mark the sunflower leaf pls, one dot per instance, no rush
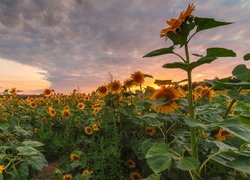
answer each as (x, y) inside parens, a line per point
(161, 51)
(242, 73)
(208, 23)
(179, 65)
(246, 57)
(212, 54)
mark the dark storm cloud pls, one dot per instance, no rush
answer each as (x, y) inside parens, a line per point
(79, 42)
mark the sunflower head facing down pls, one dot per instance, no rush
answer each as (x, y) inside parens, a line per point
(168, 95)
(175, 24)
(102, 90)
(115, 87)
(137, 78)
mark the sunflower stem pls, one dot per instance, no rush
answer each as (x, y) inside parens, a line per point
(191, 108)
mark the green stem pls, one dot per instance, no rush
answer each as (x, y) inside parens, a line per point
(191, 112)
(231, 105)
(191, 106)
(208, 159)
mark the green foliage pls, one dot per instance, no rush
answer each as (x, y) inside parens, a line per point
(161, 51)
(188, 163)
(242, 73)
(158, 157)
(208, 23)
(246, 57)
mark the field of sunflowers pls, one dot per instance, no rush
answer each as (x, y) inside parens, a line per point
(126, 130)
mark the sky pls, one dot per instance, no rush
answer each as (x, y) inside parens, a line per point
(68, 44)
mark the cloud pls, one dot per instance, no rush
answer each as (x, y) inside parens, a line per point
(77, 42)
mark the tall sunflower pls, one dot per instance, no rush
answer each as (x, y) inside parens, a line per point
(168, 95)
(175, 24)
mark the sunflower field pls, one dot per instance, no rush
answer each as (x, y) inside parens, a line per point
(126, 130)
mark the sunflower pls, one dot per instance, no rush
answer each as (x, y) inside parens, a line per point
(137, 78)
(102, 90)
(66, 108)
(2, 168)
(167, 94)
(13, 91)
(65, 113)
(135, 176)
(175, 24)
(207, 93)
(88, 131)
(115, 87)
(128, 83)
(87, 172)
(33, 104)
(95, 127)
(36, 130)
(67, 177)
(81, 106)
(222, 134)
(47, 92)
(51, 111)
(74, 157)
(151, 131)
(130, 164)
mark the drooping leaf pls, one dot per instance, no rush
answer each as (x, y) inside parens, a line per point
(161, 51)
(158, 157)
(236, 128)
(23, 171)
(217, 84)
(175, 65)
(242, 73)
(240, 97)
(241, 163)
(188, 163)
(208, 23)
(246, 57)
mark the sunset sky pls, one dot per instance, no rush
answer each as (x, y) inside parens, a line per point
(65, 44)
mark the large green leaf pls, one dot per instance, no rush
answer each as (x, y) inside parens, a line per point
(242, 73)
(241, 163)
(203, 60)
(217, 84)
(180, 37)
(154, 177)
(188, 163)
(174, 65)
(208, 23)
(27, 151)
(32, 143)
(161, 51)
(220, 52)
(212, 54)
(158, 157)
(23, 171)
(246, 57)
(240, 97)
(236, 128)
